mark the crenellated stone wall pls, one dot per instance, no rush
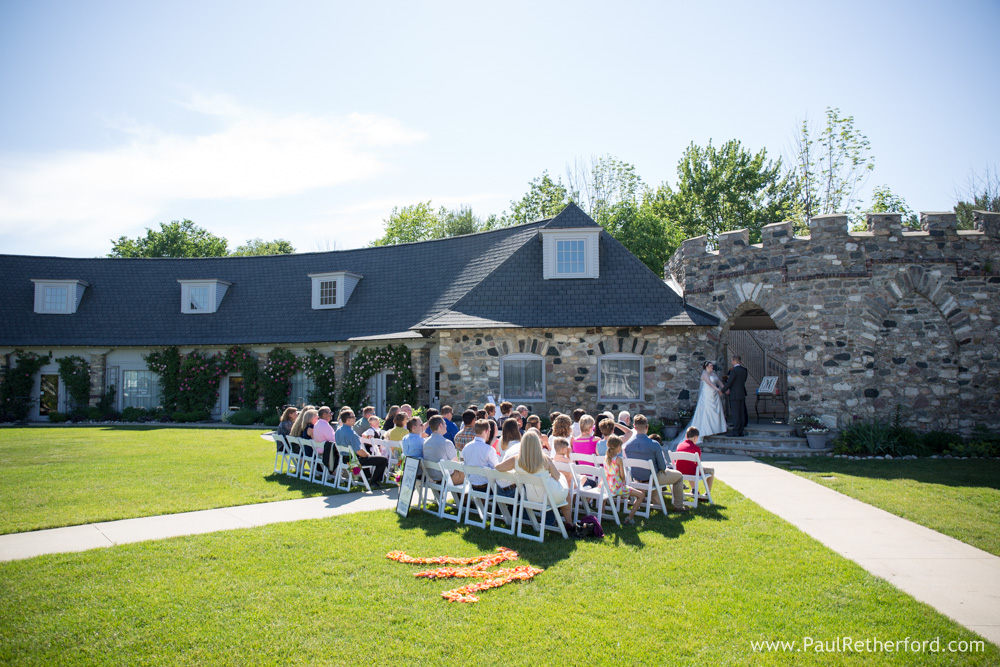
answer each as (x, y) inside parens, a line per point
(869, 320)
(671, 358)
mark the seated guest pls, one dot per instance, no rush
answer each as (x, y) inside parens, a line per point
(561, 447)
(491, 411)
(625, 419)
(448, 415)
(562, 427)
(467, 432)
(431, 412)
(407, 410)
(373, 430)
(346, 437)
(690, 445)
(641, 446)
(614, 469)
(505, 409)
(390, 419)
(308, 421)
(300, 422)
(510, 437)
(523, 411)
(413, 443)
(363, 424)
(577, 416)
(552, 420)
(585, 443)
(535, 422)
(531, 461)
(494, 429)
(287, 420)
(322, 431)
(655, 437)
(480, 454)
(399, 431)
(439, 448)
(607, 429)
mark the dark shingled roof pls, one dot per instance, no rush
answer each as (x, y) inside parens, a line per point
(484, 280)
(571, 217)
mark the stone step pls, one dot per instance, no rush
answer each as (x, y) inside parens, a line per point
(742, 448)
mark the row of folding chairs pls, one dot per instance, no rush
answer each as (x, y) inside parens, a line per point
(300, 458)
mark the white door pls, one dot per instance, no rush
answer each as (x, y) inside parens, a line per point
(378, 386)
(230, 393)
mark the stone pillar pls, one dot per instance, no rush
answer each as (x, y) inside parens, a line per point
(829, 227)
(98, 368)
(988, 223)
(776, 233)
(420, 363)
(939, 224)
(341, 362)
(885, 224)
(730, 242)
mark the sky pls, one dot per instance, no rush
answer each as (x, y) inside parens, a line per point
(310, 121)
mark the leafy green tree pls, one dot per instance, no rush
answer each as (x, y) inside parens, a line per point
(259, 246)
(174, 239)
(830, 169)
(408, 224)
(724, 189)
(885, 201)
(982, 193)
(545, 198)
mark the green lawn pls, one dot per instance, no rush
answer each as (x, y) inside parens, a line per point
(954, 497)
(53, 477)
(693, 589)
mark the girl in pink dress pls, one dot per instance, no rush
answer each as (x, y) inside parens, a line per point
(614, 468)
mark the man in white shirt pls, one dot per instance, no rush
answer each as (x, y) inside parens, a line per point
(478, 453)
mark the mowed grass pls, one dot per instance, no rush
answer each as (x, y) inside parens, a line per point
(52, 477)
(696, 589)
(954, 497)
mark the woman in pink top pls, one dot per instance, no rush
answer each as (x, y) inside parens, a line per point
(586, 443)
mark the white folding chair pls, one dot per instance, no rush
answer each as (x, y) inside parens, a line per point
(308, 459)
(600, 494)
(695, 480)
(651, 486)
(433, 487)
(281, 452)
(507, 505)
(345, 476)
(477, 501)
(574, 480)
(536, 503)
(457, 491)
(294, 456)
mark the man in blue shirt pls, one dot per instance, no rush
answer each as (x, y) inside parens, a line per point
(413, 442)
(346, 437)
(453, 428)
(641, 446)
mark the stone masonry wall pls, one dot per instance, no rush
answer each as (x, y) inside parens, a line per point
(671, 358)
(870, 320)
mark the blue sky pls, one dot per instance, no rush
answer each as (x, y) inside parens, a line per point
(311, 120)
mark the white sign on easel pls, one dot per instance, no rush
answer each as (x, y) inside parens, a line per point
(406, 485)
(767, 385)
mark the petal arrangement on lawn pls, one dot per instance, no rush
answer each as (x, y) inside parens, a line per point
(477, 569)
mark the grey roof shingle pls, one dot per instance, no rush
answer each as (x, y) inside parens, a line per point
(490, 279)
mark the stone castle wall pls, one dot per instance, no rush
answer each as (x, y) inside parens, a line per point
(869, 320)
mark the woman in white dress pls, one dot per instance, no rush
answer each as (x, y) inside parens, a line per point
(709, 415)
(531, 461)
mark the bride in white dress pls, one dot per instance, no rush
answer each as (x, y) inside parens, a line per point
(709, 416)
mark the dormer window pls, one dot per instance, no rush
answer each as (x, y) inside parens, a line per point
(571, 253)
(332, 290)
(58, 297)
(202, 296)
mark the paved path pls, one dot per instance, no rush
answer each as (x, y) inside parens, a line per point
(957, 579)
(109, 533)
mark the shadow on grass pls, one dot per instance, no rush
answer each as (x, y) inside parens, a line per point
(981, 473)
(296, 484)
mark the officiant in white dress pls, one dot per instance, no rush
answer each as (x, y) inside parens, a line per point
(709, 415)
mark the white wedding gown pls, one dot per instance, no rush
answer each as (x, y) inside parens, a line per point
(709, 415)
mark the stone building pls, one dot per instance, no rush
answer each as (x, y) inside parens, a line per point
(870, 322)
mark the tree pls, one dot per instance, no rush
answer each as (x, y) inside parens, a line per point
(545, 198)
(259, 246)
(982, 193)
(175, 239)
(884, 201)
(420, 222)
(830, 170)
(724, 189)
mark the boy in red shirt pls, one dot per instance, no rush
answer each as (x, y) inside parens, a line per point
(690, 467)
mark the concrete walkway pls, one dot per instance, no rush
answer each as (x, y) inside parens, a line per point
(958, 580)
(18, 546)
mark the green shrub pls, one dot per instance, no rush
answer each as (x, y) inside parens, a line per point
(131, 414)
(656, 426)
(975, 449)
(243, 417)
(188, 417)
(938, 442)
(57, 417)
(93, 413)
(866, 438)
(271, 418)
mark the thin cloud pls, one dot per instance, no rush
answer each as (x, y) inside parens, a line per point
(253, 156)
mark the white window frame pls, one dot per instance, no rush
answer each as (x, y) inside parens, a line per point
(621, 356)
(521, 356)
(74, 292)
(342, 289)
(214, 298)
(591, 238)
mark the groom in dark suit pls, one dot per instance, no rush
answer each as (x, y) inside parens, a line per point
(736, 388)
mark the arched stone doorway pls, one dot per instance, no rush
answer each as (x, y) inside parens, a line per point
(751, 333)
